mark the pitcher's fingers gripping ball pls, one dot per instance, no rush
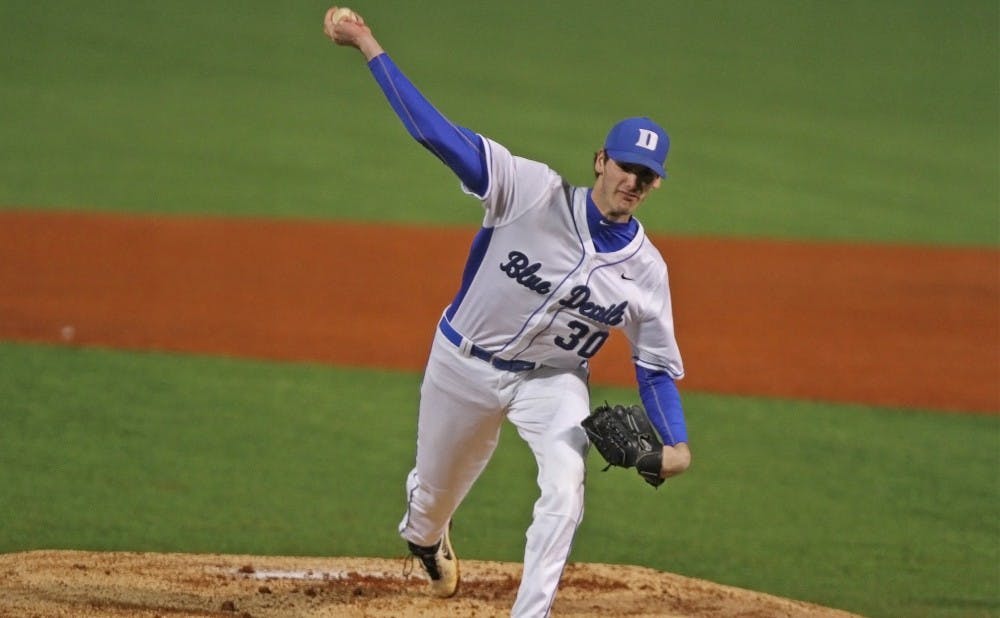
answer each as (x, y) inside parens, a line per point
(625, 437)
(337, 15)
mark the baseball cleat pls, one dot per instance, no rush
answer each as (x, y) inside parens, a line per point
(440, 564)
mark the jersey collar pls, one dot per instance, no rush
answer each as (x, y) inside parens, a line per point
(608, 236)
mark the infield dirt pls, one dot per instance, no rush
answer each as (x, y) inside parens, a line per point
(886, 325)
(87, 585)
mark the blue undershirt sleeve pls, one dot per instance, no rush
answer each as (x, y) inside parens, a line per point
(459, 148)
(662, 400)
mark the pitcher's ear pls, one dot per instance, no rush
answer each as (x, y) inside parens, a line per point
(600, 159)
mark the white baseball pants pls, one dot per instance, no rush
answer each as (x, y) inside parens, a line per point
(463, 401)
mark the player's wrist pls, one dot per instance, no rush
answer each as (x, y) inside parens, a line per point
(676, 459)
(370, 48)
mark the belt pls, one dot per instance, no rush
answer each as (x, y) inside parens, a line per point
(456, 338)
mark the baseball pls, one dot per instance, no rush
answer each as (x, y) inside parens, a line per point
(343, 13)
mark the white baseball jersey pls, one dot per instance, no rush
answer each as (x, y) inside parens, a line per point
(533, 271)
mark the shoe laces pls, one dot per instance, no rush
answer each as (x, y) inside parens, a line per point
(427, 557)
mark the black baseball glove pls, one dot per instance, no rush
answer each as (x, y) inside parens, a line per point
(625, 437)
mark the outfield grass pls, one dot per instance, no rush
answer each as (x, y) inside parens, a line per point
(883, 512)
(853, 120)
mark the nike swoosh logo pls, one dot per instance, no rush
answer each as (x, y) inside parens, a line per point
(627, 278)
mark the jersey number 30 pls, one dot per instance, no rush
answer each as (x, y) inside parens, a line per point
(582, 340)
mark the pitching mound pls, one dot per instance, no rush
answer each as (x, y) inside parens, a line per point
(65, 583)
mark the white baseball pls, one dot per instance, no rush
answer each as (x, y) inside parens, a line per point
(343, 13)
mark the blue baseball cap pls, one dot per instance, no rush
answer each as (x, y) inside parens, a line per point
(640, 141)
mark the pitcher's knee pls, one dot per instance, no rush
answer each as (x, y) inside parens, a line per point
(562, 493)
(565, 501)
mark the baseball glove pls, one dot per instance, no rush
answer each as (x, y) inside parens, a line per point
(624, 437)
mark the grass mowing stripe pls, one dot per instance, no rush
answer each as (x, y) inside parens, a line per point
(879, 511)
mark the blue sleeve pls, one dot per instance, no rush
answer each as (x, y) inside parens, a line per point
(458, 147)
(662, 400)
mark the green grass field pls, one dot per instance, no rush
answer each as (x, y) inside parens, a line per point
(851, 121)
(884, 512)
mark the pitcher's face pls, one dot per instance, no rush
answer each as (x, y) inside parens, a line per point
(621, 187)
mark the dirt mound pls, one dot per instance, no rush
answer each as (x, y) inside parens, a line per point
(70, 583)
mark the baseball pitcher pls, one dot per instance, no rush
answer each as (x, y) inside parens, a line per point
(551, 271)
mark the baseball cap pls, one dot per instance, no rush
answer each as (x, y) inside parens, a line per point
(641, 141)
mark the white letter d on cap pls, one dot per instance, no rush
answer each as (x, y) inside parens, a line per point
(647, 139)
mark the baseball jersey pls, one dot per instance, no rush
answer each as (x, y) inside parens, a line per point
(536, 289)
(547, 276)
